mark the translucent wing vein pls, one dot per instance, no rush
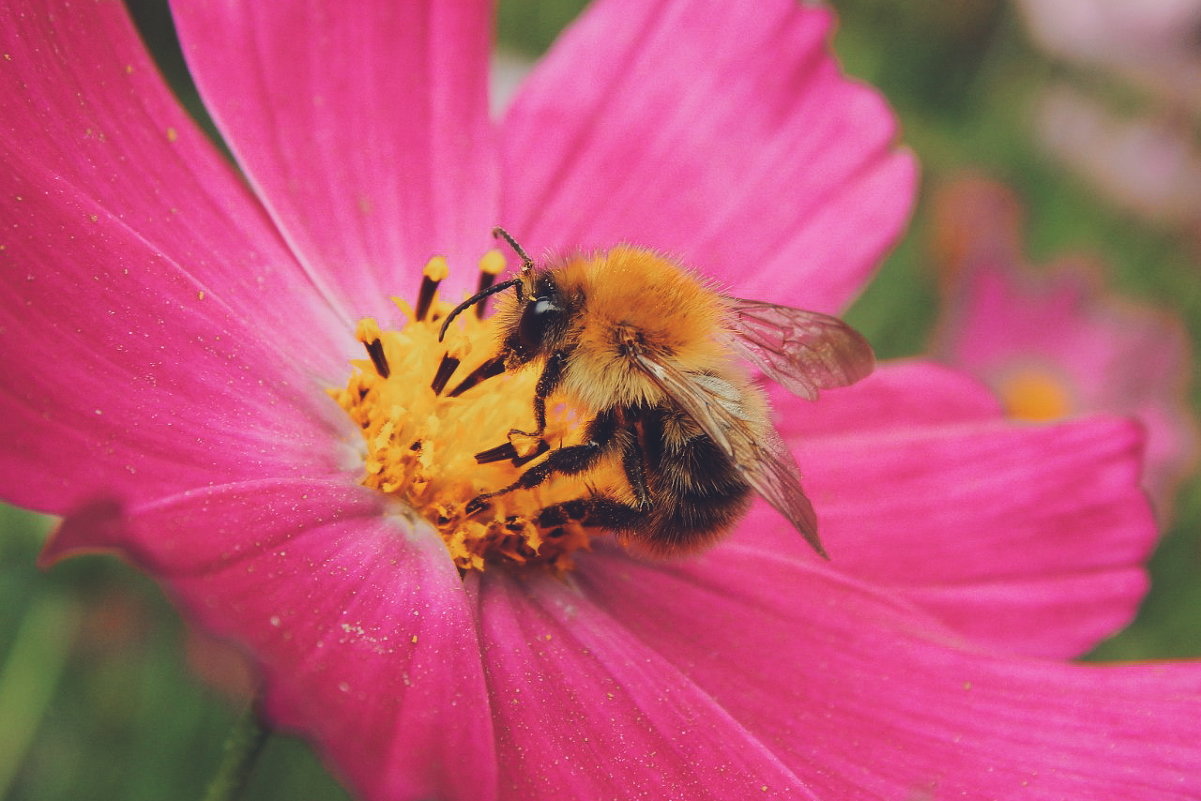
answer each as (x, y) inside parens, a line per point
(803, 351)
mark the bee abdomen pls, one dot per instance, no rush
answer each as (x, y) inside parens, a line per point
(697, 489)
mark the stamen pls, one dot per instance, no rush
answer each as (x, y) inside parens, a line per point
(491, 265)
(488, 369)
(446, 368)
(369, 334)
(498, 454)
(434, 273)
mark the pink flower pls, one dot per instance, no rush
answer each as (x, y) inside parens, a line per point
(170, 333)
(1151, 44)
(1145, 165)
(1054, 344)
(1147, 162)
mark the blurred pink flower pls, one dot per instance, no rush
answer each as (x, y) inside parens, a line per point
(1053, 343)
(1150, 43)
(1146, 165)
(170, 332)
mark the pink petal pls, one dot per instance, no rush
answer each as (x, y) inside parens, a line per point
(722, 133)
(1001, 316)
(98, 138)
(155, 334)
(899, 394)
(129, 380)
(1109, 356)
(365, 131)
(865, 697)
(359, 621)
(584, 710)
(1030, 538)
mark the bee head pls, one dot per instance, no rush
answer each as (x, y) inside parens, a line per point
(523, 283)
(536, 326)
(536, 323)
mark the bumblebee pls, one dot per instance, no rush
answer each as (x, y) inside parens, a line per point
(649, 353)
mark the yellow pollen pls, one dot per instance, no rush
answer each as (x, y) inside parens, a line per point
(492, 263)
(1035, 394)
(436, 269)
(367, 330)
(424, 415)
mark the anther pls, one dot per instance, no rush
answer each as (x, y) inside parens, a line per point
(498, 454)
(446, 368)
(490, 368)
(369, 334)
(434, 273)
(491, 265)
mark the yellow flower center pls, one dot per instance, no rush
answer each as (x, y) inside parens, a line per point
(436, 417)
(1035, 394)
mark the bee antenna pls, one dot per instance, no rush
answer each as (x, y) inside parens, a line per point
(474, 299)
(527, 264)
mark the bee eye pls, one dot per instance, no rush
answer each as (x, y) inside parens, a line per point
(538, 315)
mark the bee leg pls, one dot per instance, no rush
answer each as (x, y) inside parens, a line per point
(562, 513)
(598, 511)
(570, 460)
(552, 375)
(633, 462)
(509, 452)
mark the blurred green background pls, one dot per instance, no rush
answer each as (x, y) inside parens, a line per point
(96, 697)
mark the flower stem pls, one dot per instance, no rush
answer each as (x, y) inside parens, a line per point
(30, 674)
(242, 747)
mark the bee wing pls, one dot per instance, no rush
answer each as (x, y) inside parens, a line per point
(802, 351)
(760, 456)
(776, 477)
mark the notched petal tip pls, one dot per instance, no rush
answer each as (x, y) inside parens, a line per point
(93, 527)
